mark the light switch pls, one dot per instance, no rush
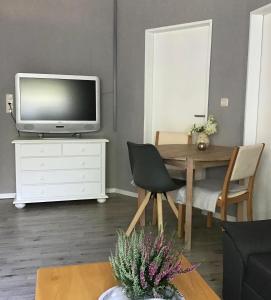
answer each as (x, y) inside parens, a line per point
(224, 102)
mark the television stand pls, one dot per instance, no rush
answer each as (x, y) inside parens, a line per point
(49, 170)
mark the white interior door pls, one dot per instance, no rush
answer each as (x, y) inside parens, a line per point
(176, 77)
(258, 109)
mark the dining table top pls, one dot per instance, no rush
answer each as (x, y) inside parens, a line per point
(183, 151)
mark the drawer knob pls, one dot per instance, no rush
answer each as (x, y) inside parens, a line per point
(42, 179)
(83, 190)
(42, 164)
(41, 150)
(83, 163)
(83, 150)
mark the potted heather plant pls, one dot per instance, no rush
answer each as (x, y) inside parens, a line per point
(144, 265)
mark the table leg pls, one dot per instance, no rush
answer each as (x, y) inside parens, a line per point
(140, 198)
(160, 213)
(189, 204)
(154, 211)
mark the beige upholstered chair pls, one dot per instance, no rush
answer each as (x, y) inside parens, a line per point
(209, 194)
(173, 138)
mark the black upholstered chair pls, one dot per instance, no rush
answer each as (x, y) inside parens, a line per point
(247, 260)
(150, 174)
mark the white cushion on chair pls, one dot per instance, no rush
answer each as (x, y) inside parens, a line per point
(206, 193)
(240, 190)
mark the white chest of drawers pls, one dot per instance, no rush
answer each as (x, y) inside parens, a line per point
(59, 170)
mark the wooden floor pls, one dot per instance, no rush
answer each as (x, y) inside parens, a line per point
(78, 232)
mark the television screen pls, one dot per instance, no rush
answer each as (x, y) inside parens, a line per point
(52, 99)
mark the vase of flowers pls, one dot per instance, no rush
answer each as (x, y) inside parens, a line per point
(203, 138)
(203, 131)
(144, 265)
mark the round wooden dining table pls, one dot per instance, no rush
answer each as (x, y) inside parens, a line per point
(188, 157)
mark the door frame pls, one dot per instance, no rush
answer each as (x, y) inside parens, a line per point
(150, 69)
(253, 87)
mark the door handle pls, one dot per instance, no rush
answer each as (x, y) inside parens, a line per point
(199, 116)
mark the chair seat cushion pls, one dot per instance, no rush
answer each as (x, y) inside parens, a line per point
(235, 190)
(206, 193)
(258, 274)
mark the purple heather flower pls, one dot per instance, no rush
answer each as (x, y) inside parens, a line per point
(157, 279)
(159, 242)
(153, 267)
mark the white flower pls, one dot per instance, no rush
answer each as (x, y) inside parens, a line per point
(209, 128)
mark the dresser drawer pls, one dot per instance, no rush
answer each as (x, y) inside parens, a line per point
(59, 176)
(60, 163)
(81, 149)
(65, 191)
(39, 150)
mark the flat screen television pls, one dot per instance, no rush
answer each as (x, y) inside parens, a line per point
(47, 103)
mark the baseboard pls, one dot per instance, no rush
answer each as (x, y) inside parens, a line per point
(122, 192)
(7, 196)
(109, 191)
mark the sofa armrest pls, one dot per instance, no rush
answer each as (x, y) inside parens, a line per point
(250, 237)
(233, 270)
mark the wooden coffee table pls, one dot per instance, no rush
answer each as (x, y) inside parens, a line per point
(89, 281)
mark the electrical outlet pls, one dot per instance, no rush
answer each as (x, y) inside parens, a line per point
(224, 102)
(9, 103)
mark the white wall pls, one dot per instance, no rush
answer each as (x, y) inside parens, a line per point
(262, 198)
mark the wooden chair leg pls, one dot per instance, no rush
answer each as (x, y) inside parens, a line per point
(154, 211)
(172, 205)
(138, 214)
(181, 220)
(249, 208)
(240, 212)
(209, 219)
(141, 196)
(160, 213)
(223, 212)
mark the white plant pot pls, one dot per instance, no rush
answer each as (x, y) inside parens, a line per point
(116, 293)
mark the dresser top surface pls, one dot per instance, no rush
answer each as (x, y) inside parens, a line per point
(58, 140)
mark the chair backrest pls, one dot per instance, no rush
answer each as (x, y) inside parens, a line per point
(148, 169)
(243, 165)
(171, 137)
(246, 161)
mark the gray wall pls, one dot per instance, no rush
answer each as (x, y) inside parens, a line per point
(228, 64)
(62, 37)
(75, 37)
